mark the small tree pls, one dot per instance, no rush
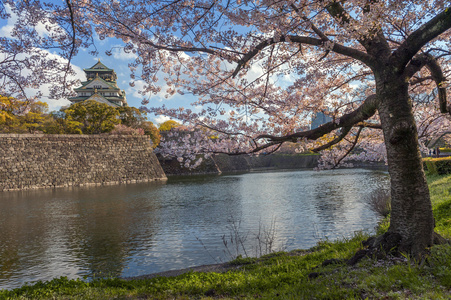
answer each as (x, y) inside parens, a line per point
(168, 125)
(131, 116)
(151, 130)
(18, 116)
(94, 116)
(58, 124)
(8, 109)
(36, 117)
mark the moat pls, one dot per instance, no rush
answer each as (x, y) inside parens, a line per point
(136, 229)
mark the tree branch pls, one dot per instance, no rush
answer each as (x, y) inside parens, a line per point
(420, 37)
(335, 141)
(350, 149)
(439, 78)
(353, 119)
(73, 42)
(422, 60)
(362, 113)
(340, 49)
(369, 125)
(374, 42)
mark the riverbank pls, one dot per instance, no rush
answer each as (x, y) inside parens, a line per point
(317, 273)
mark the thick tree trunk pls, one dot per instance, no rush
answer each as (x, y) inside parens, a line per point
(411, 223)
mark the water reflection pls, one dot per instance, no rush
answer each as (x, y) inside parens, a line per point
(144, 228)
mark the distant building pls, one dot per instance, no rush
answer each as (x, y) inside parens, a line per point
(319, 119)
(100, 86)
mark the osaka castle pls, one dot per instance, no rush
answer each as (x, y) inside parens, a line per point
(100, 86)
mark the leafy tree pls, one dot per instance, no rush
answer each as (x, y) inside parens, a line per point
(8, 118)
(94, 116)
(151, 130)
(136, 118)
(36, 117)
(18, 116)
(58, 124)
(261, 68)
(131, 116)
(168, 125)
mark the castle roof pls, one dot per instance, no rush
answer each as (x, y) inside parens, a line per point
(98, 80)
(98, 67)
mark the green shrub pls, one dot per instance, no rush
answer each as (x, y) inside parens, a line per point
(437, 166)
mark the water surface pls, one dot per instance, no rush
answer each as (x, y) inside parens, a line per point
(136, 229)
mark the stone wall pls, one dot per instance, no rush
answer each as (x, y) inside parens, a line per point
(171, 166)
(30, 161)
(223, 163)
(273, 161)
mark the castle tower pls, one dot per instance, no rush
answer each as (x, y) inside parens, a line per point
(100, 86)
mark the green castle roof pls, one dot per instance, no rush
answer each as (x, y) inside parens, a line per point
(98, 67)
(111, 84)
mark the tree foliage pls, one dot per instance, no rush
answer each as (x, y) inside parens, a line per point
(18, 116)
(151, 130)
(137, 119)
(89, 117)
(59, 124)
(131, 116)
(94, 117)
(168, 125)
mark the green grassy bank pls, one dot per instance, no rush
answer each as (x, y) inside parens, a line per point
(300, 274)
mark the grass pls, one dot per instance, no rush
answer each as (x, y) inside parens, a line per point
(299, 274)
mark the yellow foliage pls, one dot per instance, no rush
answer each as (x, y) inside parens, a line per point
(151, 130)
(168, 125)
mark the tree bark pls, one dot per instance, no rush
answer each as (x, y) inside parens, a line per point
(411, 222)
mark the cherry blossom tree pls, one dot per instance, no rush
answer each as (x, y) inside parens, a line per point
(259, 69)
(37, 44)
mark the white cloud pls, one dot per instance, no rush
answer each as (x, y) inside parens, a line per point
(55, 104)
(118, 53)
(6, 30)
(161, 119)
(41, 27)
